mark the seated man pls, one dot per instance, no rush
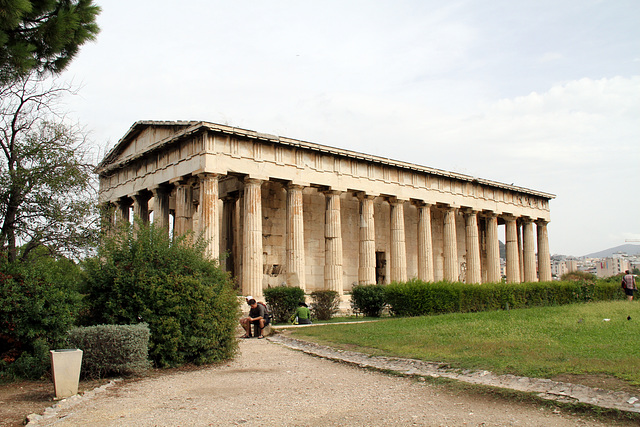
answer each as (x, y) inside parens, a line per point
(257, 317)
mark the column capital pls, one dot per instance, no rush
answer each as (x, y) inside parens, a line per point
(203, 175)
(294, 186)
(421, 203)
(541, 222)
(254, 181)
(361, 195)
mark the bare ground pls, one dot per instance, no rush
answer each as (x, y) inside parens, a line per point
(269, 384)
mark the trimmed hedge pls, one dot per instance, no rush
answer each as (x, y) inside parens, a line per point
(368, 299)
(325, 304)
(417, 298)
(283, 301)
(110, 350)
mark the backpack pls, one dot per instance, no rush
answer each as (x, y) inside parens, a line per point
(267, 315)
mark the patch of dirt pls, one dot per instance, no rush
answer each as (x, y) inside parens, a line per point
(21, 398)
(598, 381)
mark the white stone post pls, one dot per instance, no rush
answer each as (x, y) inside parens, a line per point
(425, 244)
(493, 250)
(529, 251)
(252, 257)
(398, 261)
(333, 244)
(367, 253)
(451, 270)
(474, 274)
(295, 237)
(544, 258)
(209, 223)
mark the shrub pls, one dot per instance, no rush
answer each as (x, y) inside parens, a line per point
(112, 349)
(325, 304)
(283, 301)
(187, 301)
(38, 305)
(416, 298)
(368, 299)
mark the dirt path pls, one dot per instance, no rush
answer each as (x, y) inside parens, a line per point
(268, 384)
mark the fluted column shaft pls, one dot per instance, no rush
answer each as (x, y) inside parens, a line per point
(161, 207)
(295, 237)
(529, 252)
(450, 246)
(544, 258)
(520, 251)
(367, 264)
(184, 208)
(425, 244)
(141, 206)
(209, 223)
(493, 250)
(398, 262)
(513, 263)
(333, 243)
(122, 215)
(252, 257)
(474, 274)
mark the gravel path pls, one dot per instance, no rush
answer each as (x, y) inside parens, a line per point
(269, 384)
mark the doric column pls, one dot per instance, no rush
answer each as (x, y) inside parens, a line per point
(529, 252)
(141, 205)
(333, 243)
(493, 250)
(122, 211)
(544, 258)
(295, 237)
(161, 207)
(513, 262)
(520, 251)
(367, 264)
(425, 243)
(450, 246)
(209, 224)
(184, 208)
(473, 247)
(398, 261)
(252, 258)
(107, 218)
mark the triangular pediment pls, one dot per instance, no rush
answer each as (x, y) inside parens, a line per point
(142, 137)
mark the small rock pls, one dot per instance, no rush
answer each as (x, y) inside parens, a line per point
(632, 400)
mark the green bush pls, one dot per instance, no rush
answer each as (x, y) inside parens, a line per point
(368, 299)
(109, 350)
(325, 304)
(38, 304)
(185, 298)
(283, 301)
(417, 298)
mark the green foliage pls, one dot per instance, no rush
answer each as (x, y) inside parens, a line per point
(579, 275)
(185, 298)
(368, 299)
(112, 349)
(43, 35)
(416, 298)
(38, 304)
(283, 301)
(325, 304)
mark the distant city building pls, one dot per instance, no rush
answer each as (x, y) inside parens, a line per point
(611, 266)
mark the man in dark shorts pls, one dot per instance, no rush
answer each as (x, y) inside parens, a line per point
(629, 285)
(257, 317)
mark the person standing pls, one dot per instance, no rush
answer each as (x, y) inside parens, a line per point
(629, 285)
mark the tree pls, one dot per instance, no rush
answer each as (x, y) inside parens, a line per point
(43, 35)
(46, 181)
(185, 298)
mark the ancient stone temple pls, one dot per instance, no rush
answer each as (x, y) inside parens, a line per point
(279, 211)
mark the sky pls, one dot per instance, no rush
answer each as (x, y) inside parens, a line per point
(540, 94)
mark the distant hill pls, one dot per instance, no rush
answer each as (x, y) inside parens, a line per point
(628, 248)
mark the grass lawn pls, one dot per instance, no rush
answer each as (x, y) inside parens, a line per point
(536, 342)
